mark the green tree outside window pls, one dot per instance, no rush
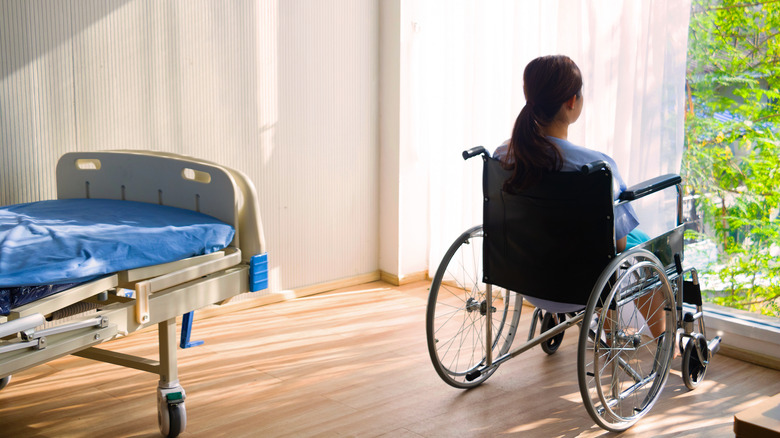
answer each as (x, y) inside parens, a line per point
(732, 146)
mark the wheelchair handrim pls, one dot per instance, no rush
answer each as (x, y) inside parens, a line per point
(606, 417)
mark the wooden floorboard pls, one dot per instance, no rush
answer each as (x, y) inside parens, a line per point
(351, 362)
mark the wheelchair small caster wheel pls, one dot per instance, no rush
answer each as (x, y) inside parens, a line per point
(4, 381)
(171, 412)
(693, 369)
(549, 321)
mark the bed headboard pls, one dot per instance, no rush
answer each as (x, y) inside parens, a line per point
(167, 179)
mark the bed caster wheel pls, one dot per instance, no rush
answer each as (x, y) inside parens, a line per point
(4, 381)
(549, 321)
(171, 413)
(694, 364)
(173, 419)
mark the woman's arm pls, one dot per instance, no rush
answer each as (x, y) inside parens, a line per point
(621, 244)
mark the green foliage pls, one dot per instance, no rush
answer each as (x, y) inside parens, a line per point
(734, 162)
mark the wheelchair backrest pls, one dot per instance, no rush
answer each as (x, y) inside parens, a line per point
(549, 241)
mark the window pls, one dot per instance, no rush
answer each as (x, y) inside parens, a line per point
(731, 163)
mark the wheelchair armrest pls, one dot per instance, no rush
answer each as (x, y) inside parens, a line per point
(650, 186)
(473, 152)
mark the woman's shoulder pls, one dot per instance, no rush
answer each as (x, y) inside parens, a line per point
(502, 152)
(574, 156)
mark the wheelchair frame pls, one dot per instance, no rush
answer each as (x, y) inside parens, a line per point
(615, 365)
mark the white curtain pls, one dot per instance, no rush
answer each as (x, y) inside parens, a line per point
(466, 61)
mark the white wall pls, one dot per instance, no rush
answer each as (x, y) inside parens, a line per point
(404, 175)
(389, 133)
(285, 91)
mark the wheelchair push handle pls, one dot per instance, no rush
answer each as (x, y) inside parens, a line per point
(473, 152)
(593, 167)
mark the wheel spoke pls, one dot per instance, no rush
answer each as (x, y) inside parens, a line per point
(622, 369)
(457, 314)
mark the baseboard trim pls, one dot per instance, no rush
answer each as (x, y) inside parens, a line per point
(404, 279)
(746, 336)
(285, 295)
(750, 356)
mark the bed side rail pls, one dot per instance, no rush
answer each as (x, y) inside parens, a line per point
(144, 289)
(65, 298)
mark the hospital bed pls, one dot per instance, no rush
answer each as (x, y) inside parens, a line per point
(553, 244)
(98, 306)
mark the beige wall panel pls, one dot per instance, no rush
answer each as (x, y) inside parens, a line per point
(285, 91)
(36, 97)
(326, 134)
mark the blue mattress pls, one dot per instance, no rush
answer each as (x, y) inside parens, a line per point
(68, 241)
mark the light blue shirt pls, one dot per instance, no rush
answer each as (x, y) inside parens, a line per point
(574, 157)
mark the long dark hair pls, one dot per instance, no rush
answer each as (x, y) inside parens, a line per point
(548, 82)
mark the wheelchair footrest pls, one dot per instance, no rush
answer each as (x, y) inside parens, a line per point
(714, 345)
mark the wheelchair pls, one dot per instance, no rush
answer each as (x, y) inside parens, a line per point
(555, 241)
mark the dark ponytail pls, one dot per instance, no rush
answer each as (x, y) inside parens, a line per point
(548, 82)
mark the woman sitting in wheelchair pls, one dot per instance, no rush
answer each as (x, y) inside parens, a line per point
(539, 143)
(553, 234)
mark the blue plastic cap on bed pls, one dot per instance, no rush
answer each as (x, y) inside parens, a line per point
(258, 272)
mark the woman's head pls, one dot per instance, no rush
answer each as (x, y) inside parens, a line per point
(549, 82)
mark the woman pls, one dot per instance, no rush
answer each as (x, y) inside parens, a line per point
(539, 143)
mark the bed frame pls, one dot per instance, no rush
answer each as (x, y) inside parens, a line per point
(161, 293)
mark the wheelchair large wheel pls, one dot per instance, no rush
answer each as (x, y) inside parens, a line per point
(626, 340)
(456, 317)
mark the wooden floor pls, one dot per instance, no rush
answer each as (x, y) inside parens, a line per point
(352, 362)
